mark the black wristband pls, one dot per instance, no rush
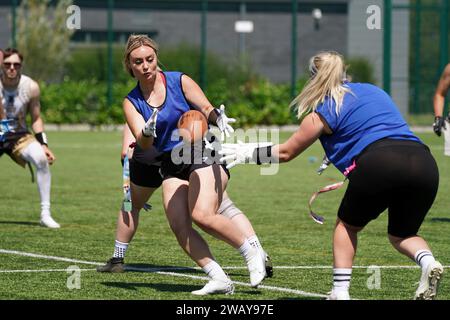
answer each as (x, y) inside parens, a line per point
(41, 137)
(213, 116)
(263, 155)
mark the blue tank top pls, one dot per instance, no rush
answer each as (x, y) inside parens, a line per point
(367, 114)
(174, 105)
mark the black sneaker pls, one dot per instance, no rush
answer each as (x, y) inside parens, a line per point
(114, 265)
(269, 267)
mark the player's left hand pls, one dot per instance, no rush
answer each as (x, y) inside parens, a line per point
(438, 125)
(223, 123)
(50, 156)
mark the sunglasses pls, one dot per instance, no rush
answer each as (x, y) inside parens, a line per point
(8, 65)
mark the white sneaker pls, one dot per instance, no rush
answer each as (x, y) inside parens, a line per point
(429, 282)
(338, 295)
(224, 286)
(47, 221)
(256, 267)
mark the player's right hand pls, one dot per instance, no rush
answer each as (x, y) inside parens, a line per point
(438, 124)
(150, 126)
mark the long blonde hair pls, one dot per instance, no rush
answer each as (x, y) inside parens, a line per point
(327, 71)
(135, 41)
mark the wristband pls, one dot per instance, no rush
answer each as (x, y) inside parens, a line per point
(213, 116)
(263, 155)
(41, 137)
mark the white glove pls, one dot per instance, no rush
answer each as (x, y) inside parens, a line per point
(150, 126)
(239, 152)
(223, 123)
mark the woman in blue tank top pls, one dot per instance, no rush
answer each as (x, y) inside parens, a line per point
(365, 137)
(191, 191)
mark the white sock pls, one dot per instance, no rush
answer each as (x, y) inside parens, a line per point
(34, 154)
(246, 250)
(423, 258)
(120, 248)
(341, 279)
(254, 241)
(45, 211)
(214, 271)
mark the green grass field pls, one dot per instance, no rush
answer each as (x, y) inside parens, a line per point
(86, 196)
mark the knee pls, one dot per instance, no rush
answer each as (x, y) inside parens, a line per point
(202, 218)
(395, 241)
(348, 227)
(228, 209)
(41, 162)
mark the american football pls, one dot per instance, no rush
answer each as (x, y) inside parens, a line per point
(192, 126)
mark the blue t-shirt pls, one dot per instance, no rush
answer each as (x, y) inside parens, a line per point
(174, 105)
(367, 114)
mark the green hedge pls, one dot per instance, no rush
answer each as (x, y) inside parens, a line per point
(251, 99)
(257, 102)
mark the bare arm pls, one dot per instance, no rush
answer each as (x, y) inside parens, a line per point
(195, 96)
(127, 139)
(441, 91)
(309, 131)
(136, 123)
(36, 121)
(35, 109)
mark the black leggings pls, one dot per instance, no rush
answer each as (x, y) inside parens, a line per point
(398, 175)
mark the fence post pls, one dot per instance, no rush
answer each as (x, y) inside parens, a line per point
(443, 43)
(418, 26)
(294, 49)
(110, 53)
(387, 28)
(14, 24)
(203, 45)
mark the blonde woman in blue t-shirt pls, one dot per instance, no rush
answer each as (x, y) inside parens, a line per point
(388, 167)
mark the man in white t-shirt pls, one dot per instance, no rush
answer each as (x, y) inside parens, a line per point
(20, 95)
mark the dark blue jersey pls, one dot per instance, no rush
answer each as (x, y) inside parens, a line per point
(174, 105)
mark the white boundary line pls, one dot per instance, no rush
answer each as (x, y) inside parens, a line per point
(42, 270)
(34, 255)
(287, 290)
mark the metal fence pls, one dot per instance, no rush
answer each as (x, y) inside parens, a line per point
(278, 37)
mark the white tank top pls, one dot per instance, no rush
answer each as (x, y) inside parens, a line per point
(15, 104)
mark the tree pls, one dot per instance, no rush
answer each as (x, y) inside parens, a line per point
(43, 38)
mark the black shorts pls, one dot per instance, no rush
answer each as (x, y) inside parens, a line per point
(181, 167)
(145, 175)
(398, 175)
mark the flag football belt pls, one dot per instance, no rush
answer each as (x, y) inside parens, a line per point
(317, 218)
(126, 204)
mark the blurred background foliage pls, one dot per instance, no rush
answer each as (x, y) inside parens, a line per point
(81, 96)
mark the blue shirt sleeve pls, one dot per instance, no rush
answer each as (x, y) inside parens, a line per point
(328, 112)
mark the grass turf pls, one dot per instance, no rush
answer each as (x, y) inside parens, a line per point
(86, 196)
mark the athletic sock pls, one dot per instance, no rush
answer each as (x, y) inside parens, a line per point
(254, 241)
(341, 279)
(120, 248)
(246, 250)
(214, 271)
(423, 258)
